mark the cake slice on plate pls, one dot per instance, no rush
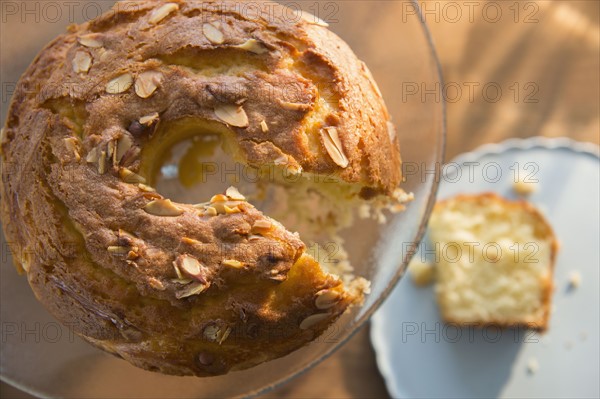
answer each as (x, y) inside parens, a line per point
(495, 261)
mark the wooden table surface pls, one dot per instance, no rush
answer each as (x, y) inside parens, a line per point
(544, 56)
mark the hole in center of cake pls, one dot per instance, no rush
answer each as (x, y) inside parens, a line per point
(192, 170)
(190, 160)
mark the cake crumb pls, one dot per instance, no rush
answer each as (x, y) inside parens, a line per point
(574, 279)
(524, 188)
(532, 366)
(422, 273)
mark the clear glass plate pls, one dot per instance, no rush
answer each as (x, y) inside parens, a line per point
(42, 357)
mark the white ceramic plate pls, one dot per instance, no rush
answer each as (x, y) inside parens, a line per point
(419, 356)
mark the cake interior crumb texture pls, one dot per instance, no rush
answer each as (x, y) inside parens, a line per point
(495, 261)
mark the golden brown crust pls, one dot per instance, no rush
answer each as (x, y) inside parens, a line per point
(99, 248)
(543, 230)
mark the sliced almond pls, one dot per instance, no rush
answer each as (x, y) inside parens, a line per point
(90, 40)
(149, 120)
(219, 198)
(220, 207)
(210, 211)
(177, 270)
(123, 145)
(186, 266)
(264, 126)
(261, 226)
(333, 146)
(102, 162)
(118, 250)
(236, 264)
(327, 299)
(110, 148)
(82, 62)
(182, 281)
(234, 194)
(190, 241)
(162, 207)
(312, 19)
(213, 34)
(119, 84)
(162, 12)
(391, 130)
(313, 320)
(147, 82)
(156, 284)
(190, 266)
(231, 209)
(114, 153)
(146, 188)
(223, 334)
(253, 46)
(131, 177)
(192, 289)
(294, 106)
(93, 155)
(232, 115)
(103, 54)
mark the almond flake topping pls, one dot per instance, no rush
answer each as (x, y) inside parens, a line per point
(262, 226)
(162, 12)
(123, 145)
(232, 115)
(234, 194)
(147, 82)
(264, 126)
(129, 176)
(119, 84)
(162, 207)
(82, 62)
(253, 46)
(149, 119)
(90, 41)
(236, 264)
(313, 320)
(213, 34)
(191, 289)
(333, 146)
(327, 299)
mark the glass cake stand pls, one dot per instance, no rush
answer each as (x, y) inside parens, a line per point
(42, 357)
